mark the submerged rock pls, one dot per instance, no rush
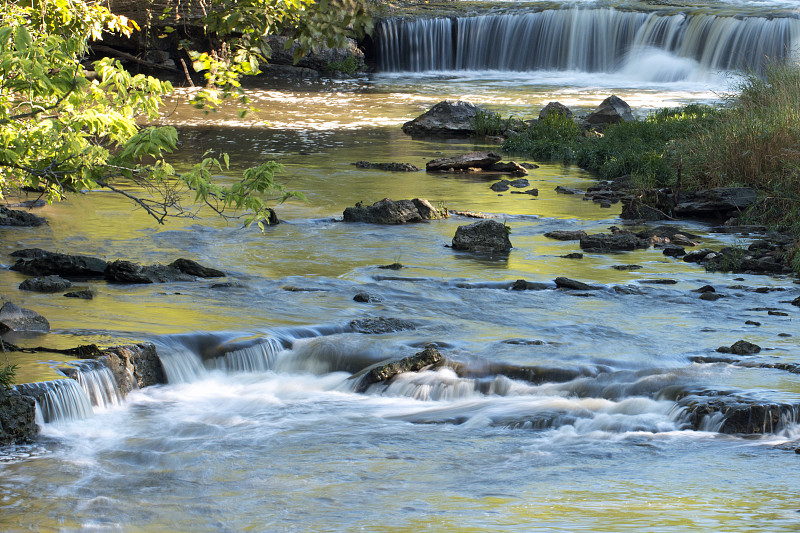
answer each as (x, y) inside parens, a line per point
(612, 242)
(447, 118)
(389, 167)
(45, 284)
(13, 217)
(740, 347)
(374, 326)
(383, 372)
(482, 236)
(16, 318)
(390, 212)
(566, 235)
(464, 162)
(85, 294)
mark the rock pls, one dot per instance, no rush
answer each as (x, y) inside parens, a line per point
(193, 268)
(500, 186)
(367, 298)
(374, 326)
(16, 318)
(736, 413)
(463, 162)
(573, 255)
(566, 190)
(777, 313)
(571, 284)
(612, 242)
(134, 366)
(86, 294)
(612, 110)
(705, 288)
(509, 167)
(129, 272)
(450, 117)
(17, 418)
(38, 262)
(659, 281)
(698, 256)
(796, 301)
(45, 284)
(532, 192)
(13, 217)
(389, 211)
(483, 236)
(555, 108)
(385, 371)
(389, 167)
(529, 166)
(634, 209)
(752, 323)
(522, 285)
(393, 266)
(740, 347)
(719, 203)
(711, 296)
(674, 251)
(566, 235)
(503, 185)
(627, 267)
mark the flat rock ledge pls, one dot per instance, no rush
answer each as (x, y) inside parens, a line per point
(393, 212)
(485, 162)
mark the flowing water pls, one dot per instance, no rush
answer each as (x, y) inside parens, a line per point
(261, 428)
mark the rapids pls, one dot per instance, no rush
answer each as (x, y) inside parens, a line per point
(260, 428)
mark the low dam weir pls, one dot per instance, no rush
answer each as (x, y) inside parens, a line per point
(583, 39)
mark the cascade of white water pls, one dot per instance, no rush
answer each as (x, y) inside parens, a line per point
(589, 40)
(257, 357)
(98, 383)
(60, 400)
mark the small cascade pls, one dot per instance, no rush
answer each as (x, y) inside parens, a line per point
(256, 357)
(98, 383)
(59, 401)
(587, 40)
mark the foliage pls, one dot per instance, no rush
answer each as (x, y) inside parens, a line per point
(488, 123)
(64, 129)
(553, 138)
(349, 65)
(7, 375)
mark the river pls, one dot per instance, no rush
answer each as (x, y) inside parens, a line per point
(287, 445)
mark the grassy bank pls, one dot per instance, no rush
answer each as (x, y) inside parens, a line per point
(751, 139)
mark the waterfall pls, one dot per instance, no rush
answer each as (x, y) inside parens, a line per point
(59, 400)
(98, 383)
(588, 40)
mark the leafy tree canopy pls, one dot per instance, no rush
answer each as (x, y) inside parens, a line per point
(67, 126)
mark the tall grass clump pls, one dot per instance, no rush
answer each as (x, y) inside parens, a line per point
(490, 123)
(553, 138)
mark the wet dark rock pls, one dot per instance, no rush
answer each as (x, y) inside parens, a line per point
(796, 301)
(566, 190)
(752, 323)
(697, 256)
(739, 414)
(612, 242)
(705, 288)
(45, 284)
(13, 217)
(556, 108)
(383, 372)
(134, 366)
(38, 262)
(389, 211)
(777, 313)
(524, 342)
(389, 167)
(482, 236)
(529, 166)
(16, 318)
(784, 334)
(674, 251)
(571, 284)
(612, 110)
(720, 203)
(659, 281)
(447, 118)
(464, 162)
(121, 271)
(393, 266)
(532, 374)
(500, 186)
(238, 285)
(627, 267)
(740, 347)
(367, 298)
(573, 255)
(522, 285)
(566, 235)
(532, 192)
(375, 326)
(509, 167)
(193, 268)
(472, 214)
(711, 296)
(17, 418)
(85, 294)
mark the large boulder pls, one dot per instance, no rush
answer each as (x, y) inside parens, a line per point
(483, 236)
(464, 162)
(38, 262)
(612, 110)
(13, 217)
(450, 117)
(555, 108)
(193, 268)
(720, 203)
(389, 211)
(17, 418)
(16, 318)
(385, 371)
(134, 366)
